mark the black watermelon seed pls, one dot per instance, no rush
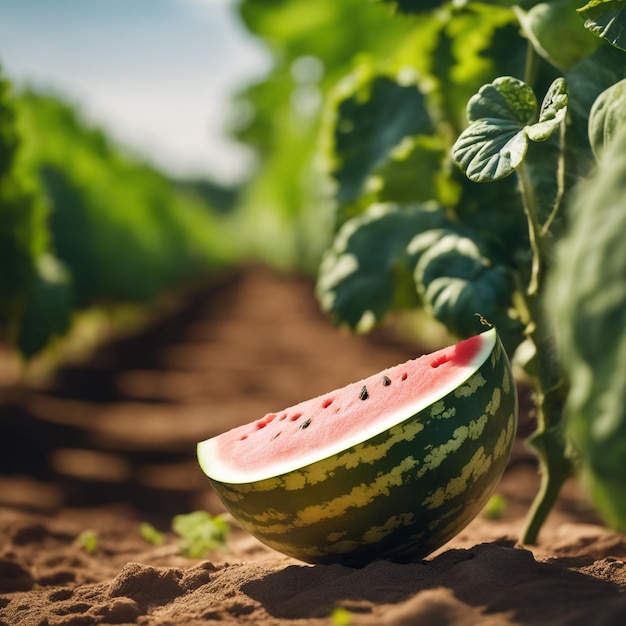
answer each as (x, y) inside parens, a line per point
(305, 424)
(386, 381)
(364, 395)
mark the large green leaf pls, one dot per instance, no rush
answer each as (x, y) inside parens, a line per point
(373, 114)
(460, 286)
(587, 300)
(607, 19)
(367, 271)
(558, 33)
(502, 118)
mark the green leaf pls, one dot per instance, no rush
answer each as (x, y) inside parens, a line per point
(501, 116)
(200, 533)
(47, 308)
(373, 114)
(459, 285)
(490, 149)
(367, 271)
(607, 19)
(607, 117)
(552, 114)
(586, 298)
(557, 32)
(506, 98)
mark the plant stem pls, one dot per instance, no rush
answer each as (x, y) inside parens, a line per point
(560, 181)
(552, 479)
(548, 439)
(532, 65)
(554, 466)
(534, 229)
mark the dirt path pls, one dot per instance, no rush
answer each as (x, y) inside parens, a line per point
(111, 443)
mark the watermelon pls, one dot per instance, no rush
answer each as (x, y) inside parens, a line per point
(392, 466)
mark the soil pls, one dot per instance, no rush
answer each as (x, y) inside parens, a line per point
(109, 443)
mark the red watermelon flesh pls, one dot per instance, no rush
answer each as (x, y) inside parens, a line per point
(314, 429)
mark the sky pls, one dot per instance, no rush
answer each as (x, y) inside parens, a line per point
(157, 74)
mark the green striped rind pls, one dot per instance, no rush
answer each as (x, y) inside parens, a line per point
(400, 494)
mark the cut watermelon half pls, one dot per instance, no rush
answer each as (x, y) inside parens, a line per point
(317, 479)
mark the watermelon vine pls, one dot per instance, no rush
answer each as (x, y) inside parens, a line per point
(495, 118)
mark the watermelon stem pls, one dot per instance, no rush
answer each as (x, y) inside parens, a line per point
(548, 440)
(554, 465)
(534, 229)
(551, 482)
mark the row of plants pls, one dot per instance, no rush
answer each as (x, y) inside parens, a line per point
(83, 223)
(467, 159)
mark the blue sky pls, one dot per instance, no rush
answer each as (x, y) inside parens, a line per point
(158, 74)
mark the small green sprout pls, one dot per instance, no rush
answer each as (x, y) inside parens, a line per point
(151, 534)
(88, 541)
(200, 533)
(495, 507)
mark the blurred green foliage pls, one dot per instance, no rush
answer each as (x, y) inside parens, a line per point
(25, 263)
(200, 533)
(327, 56)
(313, 44)
(122, 228)
(84, 224)
(588, 295)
